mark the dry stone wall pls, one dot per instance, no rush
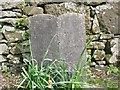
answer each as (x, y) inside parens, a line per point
(101, 24)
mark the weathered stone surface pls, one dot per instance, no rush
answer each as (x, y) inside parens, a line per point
(31, 10)
(15, 50)
(113, 58)
(70, 39)
(10, 4)
(26, 56)
(89, 51)
(91, 3)
(95, 26)
(101, 62)
(96, 45)
(87, 20)
(108, 15)
(9, 14)
(106, 36)
(58, 9)
(8, 28)
(26, 43)
(13, 36)
(107, 57)
(1, 36)
(42, 30)
(115, 50)
(0, 8)
(94, 37)
(92, 64)
(18, 49)
(3, 41)
(114, 44)
(0, 26)
(8, 20)
(2, 59)
(13, 59)
(3, 49)
(99, 54)
(119, 49)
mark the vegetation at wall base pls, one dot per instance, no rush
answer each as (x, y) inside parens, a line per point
(53, 75)
(56, 75)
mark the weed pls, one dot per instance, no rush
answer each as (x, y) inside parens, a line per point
(5, 71)
(54, 75)
(20, 23)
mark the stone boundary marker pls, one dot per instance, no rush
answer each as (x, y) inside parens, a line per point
(69, 41)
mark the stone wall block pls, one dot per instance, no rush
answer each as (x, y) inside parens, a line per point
(58, 9)
(13, 36)
(15, 50)
(95, 26)
(4, 49)
(1, 36)
(31, 10)
(96, 45)
(9, 14)
(2, 58)
(99, 54)
(108, 15)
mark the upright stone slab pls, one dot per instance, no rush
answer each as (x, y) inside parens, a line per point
(42, 29)
(72, 37)
(69, 41)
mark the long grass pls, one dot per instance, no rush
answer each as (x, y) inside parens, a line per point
(55, 75)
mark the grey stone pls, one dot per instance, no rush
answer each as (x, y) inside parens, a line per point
(42, 30)
(18, 49)
(107, 57)
(17, 10)
(3, 48)
(115, 50)
(8, 20)
(89, 51)
(1, 36)
(9, 14)
(118, 57)
(96, 3)
(13, 59)
(114, 44)
(90, 2)
(8, 28)
(2, 59)
(58, 9)
(26, 56)
(3, 41)
(26, 43)
(108, 16)
(101, 62)
(106, 36)
(99, 54)
(87, 20)
(15, 50)
(32, 10)
(0, 8)
(97, 45)
(94, 37)
(113, 58)
(95, 26)
(69, 41)
(13, 36)
(0, 26)
(92, 64)
(7, 4)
